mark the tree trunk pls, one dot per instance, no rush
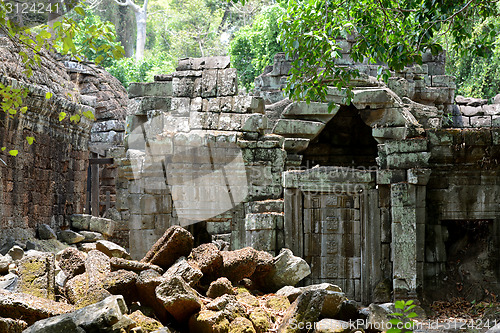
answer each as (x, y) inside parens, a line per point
(140, 18)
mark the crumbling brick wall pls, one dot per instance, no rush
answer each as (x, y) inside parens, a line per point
(46, 180)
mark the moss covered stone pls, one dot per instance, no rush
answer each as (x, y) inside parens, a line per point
(241, 325)
(147, 324)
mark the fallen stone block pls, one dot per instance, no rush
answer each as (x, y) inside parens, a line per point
(37, 275)
(121, 282)
(188, 272)
(178, 298)
(176, 242)
(5, 261)
(132, 265)
(209, 259)
(70, 237)
(146, 285)
(146, 323)
(46, 232)
(304, 311)
(241, 324)
(209, 321)
(220, 287)
(111, 249)
(239, 264)
(28, 307)
(107, 315)
(287, 270)
(72, 262)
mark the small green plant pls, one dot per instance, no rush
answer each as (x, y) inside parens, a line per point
(402, 321)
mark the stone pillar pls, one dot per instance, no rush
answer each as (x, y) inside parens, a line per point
(408, 233)
(404, 241)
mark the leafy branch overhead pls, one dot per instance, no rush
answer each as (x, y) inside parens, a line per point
(59, 36)
(388, 31)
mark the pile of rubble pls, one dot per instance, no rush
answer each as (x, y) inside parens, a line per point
(174, 288)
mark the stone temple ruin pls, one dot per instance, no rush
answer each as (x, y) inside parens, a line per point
(392, 196)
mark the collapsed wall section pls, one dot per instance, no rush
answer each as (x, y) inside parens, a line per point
(195, 152)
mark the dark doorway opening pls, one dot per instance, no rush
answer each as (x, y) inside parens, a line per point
(345, 141)
(472, 260)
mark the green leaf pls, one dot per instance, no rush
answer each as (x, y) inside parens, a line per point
(13, 152)
(3, 148)
(48, 95)
(408, 303)
(62, 115)
(24, 109)
(79, 11)
(89, 115)
(30, 140)
(412, 315)
(395, 321)
(75, 118)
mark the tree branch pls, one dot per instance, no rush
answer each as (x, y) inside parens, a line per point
(135, 8)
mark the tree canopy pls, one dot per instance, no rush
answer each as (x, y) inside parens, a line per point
(391, 31)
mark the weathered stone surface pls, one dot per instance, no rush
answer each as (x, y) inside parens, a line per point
(260, 319)
(5, 261)
(175, 242)
(87, 288)
(182, 268)
(112, 250)
(46, 232)
(90, 236)
(132, 265)
(80, 221)
(30, 308)
(146, 323)
(287, 270)
(241, 325)
(16, 252)
(227, 84)
(209, 259)
(105, 315)
(239, 264)
(9, 325)
(220, 287)
(229, 305)
(37, 275)
(290, 292)
(97, 265)
(304, 311)
(207, 321)
(146, 285)
(277, 303)
(86, 247)
(298, 128)
(332, 303)
(178, 298)
(102, 225)
(121, 282)
(70, 237)
(72, 262)
(140, 89)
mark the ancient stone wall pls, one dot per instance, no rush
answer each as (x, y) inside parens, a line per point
(372, 216)
(196, 151)
(109, 98)
(46, 181)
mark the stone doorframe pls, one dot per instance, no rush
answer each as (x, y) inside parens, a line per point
(337, 181)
